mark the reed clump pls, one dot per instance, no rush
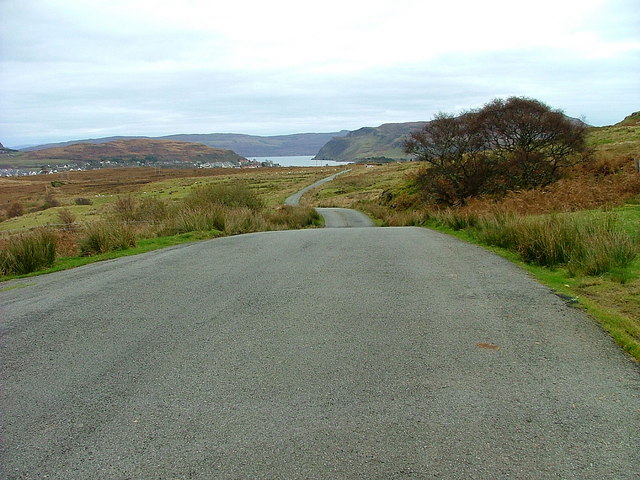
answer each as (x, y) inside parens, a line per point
(106, 236)
(586, 244)
(28, 252)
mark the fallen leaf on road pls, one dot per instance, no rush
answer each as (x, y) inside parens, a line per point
(489, 346)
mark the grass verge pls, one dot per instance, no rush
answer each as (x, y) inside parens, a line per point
(143, 246)
(135, 225)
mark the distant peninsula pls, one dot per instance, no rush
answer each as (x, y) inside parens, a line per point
(381, 144)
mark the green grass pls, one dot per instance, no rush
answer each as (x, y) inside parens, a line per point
(271, 185)
(609, 135)
(18, 160)
(50, 216)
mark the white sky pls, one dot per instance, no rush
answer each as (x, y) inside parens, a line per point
(72, 69)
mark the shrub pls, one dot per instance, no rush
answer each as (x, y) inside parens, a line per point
(193, 219)
(29, 252)
(125, 208)
(103, 236)
(67, 218)
(513, 144)
(293, 217)
(15, 210)
(83, 201)
(49, 202)
(243, 220)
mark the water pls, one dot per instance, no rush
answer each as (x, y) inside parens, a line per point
(299, 161)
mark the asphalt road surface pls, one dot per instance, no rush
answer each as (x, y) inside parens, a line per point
(344, 218)
(362, 353)
(295, 198)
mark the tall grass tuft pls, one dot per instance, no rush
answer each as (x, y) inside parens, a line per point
(153, 210)
(604, 250)
(457, 220)
(293, 217)
(498, 229)
(28, 252)
(548, 241)
(125, 208)
(106, 236)
(588, 245)
(66, 218)
(235, 195)
(193, 219)
(243, 220)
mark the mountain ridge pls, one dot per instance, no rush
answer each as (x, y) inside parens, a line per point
(243, 144)
(137, 150)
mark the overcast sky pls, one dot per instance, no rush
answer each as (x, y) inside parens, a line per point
(73, 69)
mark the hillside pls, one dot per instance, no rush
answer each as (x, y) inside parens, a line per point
(257, 146)
(379, 143)
(4, 150)
(632, 120)
(245, 145)
(133, 152)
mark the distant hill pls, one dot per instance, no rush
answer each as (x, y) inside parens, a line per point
(3, 149)
(632, 120)
(245, 145)
(95, 141)
(257, 146)
(134, 152)
(385, 142)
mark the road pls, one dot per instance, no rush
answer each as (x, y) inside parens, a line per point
(295, 198)
(344, 218)
(335, 353)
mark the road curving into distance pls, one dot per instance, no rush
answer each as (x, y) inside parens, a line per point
(295, 198)
(333, 217)
(335, 353)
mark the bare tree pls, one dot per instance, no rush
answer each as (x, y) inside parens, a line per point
(532, 142)
(508, 144)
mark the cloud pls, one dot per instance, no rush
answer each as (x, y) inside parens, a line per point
(77, 68)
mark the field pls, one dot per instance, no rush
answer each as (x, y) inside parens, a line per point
(52, 222)
(103, 187)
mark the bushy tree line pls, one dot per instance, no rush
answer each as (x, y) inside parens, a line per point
(513, 144)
